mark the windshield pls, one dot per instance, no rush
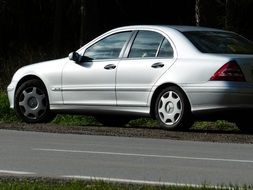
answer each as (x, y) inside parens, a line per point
(220, 42)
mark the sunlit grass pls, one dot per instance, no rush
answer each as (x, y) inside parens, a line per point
(43, 184)
(8, 115)
(81, 120)
(221, 125)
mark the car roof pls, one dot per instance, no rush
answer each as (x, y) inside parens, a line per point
(181, 28)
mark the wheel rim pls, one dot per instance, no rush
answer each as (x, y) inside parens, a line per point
(170, 108)
(32, 103)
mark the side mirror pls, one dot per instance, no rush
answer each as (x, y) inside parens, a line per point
(74, 56)
(71, 56)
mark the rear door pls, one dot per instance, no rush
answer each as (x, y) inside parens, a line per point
(146, 59)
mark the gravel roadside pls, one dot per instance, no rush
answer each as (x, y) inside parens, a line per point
(145, 132)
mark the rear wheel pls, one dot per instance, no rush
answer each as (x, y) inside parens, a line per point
(31, 102)
(172, 109)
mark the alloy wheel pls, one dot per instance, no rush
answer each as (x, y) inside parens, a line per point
(32, 103)
(170, 108)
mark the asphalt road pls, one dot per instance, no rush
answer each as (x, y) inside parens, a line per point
(137, 160)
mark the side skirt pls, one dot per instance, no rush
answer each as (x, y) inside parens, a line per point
(84, 109)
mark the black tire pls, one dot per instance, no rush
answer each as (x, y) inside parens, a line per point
(31, 102)
(114, 121)
(172, 109)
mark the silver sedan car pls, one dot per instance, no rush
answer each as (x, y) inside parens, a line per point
(176, 74)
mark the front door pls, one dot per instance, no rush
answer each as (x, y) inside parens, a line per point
(93, 82)
(89, 83)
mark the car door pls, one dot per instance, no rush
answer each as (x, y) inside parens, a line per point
(93, 82)
(149, 56)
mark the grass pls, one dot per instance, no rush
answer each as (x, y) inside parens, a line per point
(217, 125)
(75, 120)
(42, 184)
(8, 115)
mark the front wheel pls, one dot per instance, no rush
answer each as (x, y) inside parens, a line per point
(31, 102)
(172, 109)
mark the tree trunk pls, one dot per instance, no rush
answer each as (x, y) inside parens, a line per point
(83, 22)
(197, 12)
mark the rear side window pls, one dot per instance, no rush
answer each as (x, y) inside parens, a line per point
(165, 49)
(220, 42)
(109, 47)
(149, 44)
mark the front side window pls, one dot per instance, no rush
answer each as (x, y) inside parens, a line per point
(220, 42)
(109, 47)
(145, 44)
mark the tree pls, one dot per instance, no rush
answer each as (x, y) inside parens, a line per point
(197, 12)
(83, 13)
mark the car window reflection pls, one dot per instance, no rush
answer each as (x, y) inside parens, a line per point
(145, 44)
(109, 47)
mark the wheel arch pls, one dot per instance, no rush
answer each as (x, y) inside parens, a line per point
(29, 77)
(47, 115)
(157, 92)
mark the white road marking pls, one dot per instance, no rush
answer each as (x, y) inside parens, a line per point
(144, 155)
(16, 172)
(145, 182)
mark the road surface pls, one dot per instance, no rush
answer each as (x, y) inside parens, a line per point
(137, 160)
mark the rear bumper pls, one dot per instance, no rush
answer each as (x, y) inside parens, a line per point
(220, 98)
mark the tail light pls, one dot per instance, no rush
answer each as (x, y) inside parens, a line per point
(229, 72)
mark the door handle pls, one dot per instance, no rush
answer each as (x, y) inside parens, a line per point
(110, 66)
(157, 65)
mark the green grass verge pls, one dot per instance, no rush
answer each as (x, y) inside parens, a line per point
(7, 115)
(37, 184)
(81, 120)
(217, 125)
